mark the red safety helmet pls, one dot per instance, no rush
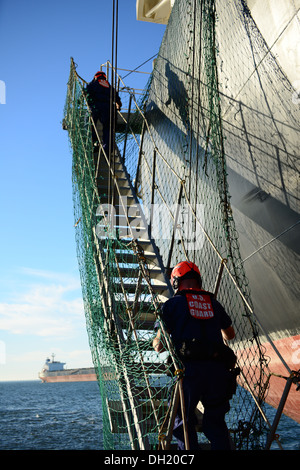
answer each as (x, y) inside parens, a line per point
(100, 76)
(185, 270)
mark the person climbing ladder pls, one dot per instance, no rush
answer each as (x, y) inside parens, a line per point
(100, 94)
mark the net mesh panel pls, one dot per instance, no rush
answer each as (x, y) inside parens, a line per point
(184, 116)
(180, 176)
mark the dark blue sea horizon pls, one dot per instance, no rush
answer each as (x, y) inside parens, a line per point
(68, 416)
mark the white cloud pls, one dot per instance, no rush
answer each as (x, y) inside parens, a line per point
(49, 304)
(64, 278)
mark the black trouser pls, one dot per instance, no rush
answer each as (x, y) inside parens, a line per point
(103, 115)
(207, 382)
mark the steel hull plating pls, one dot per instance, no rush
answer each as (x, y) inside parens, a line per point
(272, 267)
(289, 350)
(282, 355)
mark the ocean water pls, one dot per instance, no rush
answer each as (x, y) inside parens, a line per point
(50, 416)
(67, 416)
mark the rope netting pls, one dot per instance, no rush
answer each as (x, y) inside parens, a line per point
(161, 198)
(120, 299)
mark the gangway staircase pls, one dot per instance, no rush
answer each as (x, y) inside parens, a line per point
(141, 285)
(124, 283)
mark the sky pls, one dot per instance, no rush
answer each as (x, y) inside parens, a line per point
(41, 308)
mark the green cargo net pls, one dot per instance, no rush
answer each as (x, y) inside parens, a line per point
(122, 284)
(160, 198)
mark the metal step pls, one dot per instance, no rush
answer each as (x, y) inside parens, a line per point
(103, 193)
(121, 220)
(118, 423)
(145, 298)
(117, 420)
(142, 321)
(130, 285)
(129, 270)
(127, 241)
(129, 256)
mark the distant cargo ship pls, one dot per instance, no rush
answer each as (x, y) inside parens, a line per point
(53, 371)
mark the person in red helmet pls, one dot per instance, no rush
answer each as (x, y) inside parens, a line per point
(99, 94)
(198, 325)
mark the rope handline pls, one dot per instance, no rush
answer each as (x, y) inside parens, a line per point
(270, 241)
(135, 70)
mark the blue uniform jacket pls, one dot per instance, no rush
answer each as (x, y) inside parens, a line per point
(183, 326)
(99, 95)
